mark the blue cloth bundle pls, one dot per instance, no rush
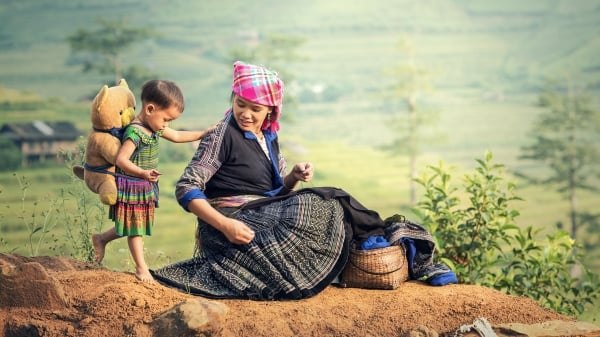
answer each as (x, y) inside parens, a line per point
(376, 241)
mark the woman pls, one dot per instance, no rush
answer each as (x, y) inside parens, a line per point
(256, 238)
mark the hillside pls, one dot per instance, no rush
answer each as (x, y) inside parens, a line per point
(481, 47)
(487, 60)
(63, 297)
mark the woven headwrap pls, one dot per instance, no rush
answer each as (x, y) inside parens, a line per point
(261, 86)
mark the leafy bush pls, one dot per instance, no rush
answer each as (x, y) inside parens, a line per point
(10, 154)
(477, 236)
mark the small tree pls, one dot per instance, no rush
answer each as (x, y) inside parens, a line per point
(10, 154)
(566, 141)
(477, 235)
(410, 82)
(102, 49)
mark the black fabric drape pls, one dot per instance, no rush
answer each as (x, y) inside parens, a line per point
(361, 222)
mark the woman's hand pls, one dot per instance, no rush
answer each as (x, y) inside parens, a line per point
(237, 232)
(234, 230)
(303, 171)
(300, 172)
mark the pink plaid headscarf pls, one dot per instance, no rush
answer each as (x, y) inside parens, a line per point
(261, 86)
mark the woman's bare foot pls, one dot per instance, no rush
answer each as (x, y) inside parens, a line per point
(99, 247)
(143, 274)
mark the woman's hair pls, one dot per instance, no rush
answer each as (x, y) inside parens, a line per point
(163, 93)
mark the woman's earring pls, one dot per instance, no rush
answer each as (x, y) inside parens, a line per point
(269, 116)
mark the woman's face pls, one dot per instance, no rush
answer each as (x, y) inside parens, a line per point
(249, 116)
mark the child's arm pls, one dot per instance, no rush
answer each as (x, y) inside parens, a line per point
(125, 164)
(184, 136)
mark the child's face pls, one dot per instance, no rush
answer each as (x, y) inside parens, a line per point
(157, 118)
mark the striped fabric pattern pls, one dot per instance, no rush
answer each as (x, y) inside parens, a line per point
(295, 253)
(136, 215)
(133, 214)
(146, 155)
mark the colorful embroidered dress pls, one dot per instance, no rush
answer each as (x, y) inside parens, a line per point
(133, 213)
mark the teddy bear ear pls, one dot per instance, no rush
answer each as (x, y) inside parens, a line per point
(102, 97)
(123, 83)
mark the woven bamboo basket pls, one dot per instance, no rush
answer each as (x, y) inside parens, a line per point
(381, 268)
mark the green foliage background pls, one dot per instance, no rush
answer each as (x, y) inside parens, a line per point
(490, 60)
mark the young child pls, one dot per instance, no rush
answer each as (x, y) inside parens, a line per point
(137, 175)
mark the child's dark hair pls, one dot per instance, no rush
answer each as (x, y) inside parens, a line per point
(163, 93)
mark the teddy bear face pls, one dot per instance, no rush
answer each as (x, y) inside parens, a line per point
(113, 107)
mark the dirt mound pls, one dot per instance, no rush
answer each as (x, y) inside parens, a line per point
(85, 300)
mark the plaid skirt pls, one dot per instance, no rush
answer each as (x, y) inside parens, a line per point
(133, 214)
(298, 250)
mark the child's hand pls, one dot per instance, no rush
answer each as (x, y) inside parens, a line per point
(151, 175)
(205, 132)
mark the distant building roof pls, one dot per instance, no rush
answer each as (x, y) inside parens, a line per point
(40, 130)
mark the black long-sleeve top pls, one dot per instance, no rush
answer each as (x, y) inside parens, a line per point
(230, 162)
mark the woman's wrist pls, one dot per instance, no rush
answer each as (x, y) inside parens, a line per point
(286, 181)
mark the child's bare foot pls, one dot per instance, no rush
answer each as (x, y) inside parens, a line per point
(99, 247)
(143, 274)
